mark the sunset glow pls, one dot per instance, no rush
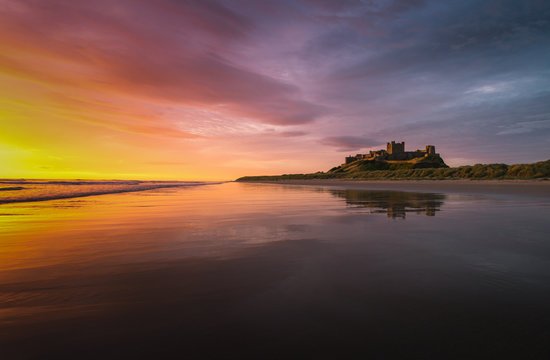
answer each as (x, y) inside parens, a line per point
(251, 179)
(215, 90)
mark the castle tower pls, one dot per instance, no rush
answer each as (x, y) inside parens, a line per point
(395, 148)
(430, 149)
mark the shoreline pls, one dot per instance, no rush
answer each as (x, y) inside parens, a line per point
(65, 196)
(509, 187)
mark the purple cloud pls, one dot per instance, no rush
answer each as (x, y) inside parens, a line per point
(384, 68)
(349, 143)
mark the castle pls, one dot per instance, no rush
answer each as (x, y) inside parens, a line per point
(394, 152)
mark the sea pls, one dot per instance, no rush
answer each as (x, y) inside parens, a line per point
(218, 270)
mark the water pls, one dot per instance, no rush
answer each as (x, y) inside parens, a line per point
(40, 190)
(258, 270)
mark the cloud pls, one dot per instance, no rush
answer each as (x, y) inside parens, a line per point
(348, 143)
(452, 74)
(292, 133)
(159, 52)
(526, 127)
(488, 89)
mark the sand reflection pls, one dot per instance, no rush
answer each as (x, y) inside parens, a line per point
(207, 271)
(395, 204)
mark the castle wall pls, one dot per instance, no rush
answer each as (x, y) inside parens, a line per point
(395, 148)
(430, 149)
(395, 152)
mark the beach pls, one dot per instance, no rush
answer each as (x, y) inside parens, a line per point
(333, 269)
(401, 207)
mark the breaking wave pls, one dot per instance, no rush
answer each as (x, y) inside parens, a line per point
(41, 190)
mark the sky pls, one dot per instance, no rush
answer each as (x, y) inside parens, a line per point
(214, 90)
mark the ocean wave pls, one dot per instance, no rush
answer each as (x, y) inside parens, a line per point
(42, 190)
(91, 182)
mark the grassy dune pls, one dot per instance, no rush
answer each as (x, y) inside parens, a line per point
(384, 171)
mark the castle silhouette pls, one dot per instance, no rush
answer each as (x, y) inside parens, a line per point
(394, 152)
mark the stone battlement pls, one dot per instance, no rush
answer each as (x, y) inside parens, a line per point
(394, 152)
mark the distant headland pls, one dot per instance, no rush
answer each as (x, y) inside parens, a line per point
(394, 163)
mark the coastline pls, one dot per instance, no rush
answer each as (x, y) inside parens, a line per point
(54, 190)
(508, 187)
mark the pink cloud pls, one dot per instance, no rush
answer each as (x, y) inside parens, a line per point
(124, 48)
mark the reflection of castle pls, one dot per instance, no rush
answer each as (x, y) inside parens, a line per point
(394, 203)
(394, 152)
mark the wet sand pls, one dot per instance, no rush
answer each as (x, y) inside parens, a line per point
(261, 271)
(508, 187)
(264, 304)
